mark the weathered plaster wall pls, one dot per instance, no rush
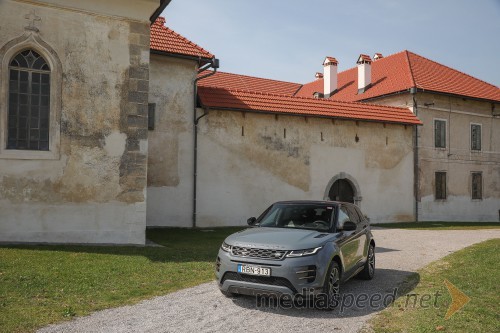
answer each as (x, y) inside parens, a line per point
(459, 161)
(246, 162)
(170, 161)
(95, 191)
(456, 159)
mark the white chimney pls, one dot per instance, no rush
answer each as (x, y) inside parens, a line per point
(329, 76)
(377, 56)
(364, 73)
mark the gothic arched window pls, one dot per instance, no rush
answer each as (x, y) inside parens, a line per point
(29, 102)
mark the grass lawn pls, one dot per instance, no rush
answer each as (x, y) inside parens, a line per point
(474, 271)
(440, 225)
(44, 284)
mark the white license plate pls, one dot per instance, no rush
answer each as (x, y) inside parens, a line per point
(254, 270)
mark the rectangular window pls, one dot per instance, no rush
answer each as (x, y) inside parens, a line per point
(475, 137)
(151, 116)
(439, 133)
(477, 185)
(440, 185)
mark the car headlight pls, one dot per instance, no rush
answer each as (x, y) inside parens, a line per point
(225, 247)
(302, 253)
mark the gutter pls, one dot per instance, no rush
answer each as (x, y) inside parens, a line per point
(214, 63)
(159, 10)
(200, 60)
(416, 179)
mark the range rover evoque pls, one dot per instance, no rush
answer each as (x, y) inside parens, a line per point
(305, 248)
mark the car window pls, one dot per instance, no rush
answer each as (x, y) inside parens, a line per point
(353, 214)
(343, 217)
(299, 216)
(362, 218)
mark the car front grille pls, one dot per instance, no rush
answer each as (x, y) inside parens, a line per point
(250, 252)
(269, 280)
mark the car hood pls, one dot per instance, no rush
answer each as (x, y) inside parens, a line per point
(279, 238)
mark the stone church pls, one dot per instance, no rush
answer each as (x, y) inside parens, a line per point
(111, 122)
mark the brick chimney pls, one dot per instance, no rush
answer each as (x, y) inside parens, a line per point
(329, 76)
(364, 73)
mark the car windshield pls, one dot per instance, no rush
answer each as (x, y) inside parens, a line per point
(299, 216)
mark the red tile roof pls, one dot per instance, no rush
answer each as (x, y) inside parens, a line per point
(233, 99)
(166, 40)
(402, 71)
(243, 82)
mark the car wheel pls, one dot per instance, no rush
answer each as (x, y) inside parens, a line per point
(331, 288)
(369, 269)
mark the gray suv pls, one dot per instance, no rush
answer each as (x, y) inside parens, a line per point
(304, 248)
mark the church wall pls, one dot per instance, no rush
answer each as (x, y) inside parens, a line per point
(91, 188)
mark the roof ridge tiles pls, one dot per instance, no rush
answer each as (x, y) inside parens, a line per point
(408, 62)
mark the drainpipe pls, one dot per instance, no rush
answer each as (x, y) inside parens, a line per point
(214, 64)
(416, 180)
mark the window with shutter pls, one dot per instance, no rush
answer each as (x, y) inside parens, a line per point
(477, 185)
(475, 133)
(440, 185)
(439, 133)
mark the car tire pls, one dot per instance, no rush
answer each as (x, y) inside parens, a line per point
(331, 288)
(368, 271)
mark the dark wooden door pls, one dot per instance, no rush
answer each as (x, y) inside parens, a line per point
(342, 191)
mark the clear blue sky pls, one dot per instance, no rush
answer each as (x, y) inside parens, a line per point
(288, 39)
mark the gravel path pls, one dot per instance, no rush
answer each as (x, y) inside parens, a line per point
(204, 309)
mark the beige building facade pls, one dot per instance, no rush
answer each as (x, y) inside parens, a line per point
(458, 156)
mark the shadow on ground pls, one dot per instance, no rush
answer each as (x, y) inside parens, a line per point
(383, 290)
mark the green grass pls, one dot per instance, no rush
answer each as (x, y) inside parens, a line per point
(475, 272)
(440, 225)
(40, 285)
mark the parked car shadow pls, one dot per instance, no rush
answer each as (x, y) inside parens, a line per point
(383, 290)
(384, 249)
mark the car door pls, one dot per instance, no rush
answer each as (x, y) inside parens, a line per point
(361, 237)
(348, 242)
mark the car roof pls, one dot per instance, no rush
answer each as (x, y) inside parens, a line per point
(311, 202)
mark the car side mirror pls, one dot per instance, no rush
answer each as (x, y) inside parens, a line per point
(251, 221)
(349, 226)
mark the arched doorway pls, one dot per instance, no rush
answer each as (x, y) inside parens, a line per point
(342, 190)
(343, 187)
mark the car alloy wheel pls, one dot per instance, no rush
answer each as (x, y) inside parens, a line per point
(331, 288)
(371, 260)
(369, 268)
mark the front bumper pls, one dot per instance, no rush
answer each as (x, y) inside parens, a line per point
(295, 276)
